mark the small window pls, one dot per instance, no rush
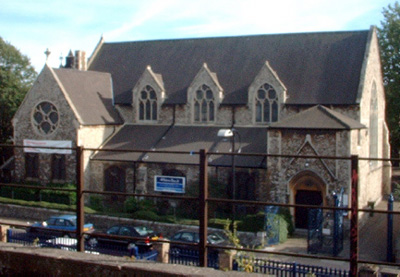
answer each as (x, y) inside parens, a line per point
(148, 107)
(204, 105)
(32, 165)
(266, 104)
(58, 167)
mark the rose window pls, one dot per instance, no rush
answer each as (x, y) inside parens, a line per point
(45, 118)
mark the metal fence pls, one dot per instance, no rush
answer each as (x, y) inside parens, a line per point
(278, 268)
(191, 257)
(204, 200)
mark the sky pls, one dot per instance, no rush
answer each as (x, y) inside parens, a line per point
(61, 26)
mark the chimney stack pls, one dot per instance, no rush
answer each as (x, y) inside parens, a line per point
(76, 62)
(80, 60)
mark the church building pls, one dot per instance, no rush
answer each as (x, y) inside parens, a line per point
(314, 94)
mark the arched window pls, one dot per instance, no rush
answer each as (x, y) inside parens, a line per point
(266, 104)
(373, 124)
(115, 179)
(204, 104)
(148, 107)
(45, 118)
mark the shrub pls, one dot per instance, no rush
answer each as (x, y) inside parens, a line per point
(27, 194)
(256, 223)
(96, 203)
(133, 205)
(146, 215)
(252, 223)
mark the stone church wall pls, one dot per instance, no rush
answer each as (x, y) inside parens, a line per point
(45, 88)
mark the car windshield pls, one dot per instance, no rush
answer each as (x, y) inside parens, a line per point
(215, 238)
(142, 230)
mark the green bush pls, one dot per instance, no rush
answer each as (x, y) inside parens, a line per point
(218, 223)
(146, 215)
(61, 197)
(133, 205)
(256, 223)
(27, 194)
(96, 203)
(252, 223)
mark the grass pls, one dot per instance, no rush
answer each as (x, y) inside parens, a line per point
(43, 204)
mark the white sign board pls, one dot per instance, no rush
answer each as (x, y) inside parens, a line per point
(36, 144)
(172, 184)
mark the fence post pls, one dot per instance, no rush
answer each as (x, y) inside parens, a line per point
(335, 226)
(389, 253)
(203, 194)
(79, 200)
(354, 217)
(294, 269)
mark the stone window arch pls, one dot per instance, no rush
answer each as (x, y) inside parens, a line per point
(266, 104)
(148, 104)
(204, 106)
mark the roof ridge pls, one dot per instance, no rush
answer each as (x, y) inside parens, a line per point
(237, 36)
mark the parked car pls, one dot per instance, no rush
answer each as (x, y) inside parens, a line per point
(191, 236)
(139, 236)
(68, 244)
(59, 226)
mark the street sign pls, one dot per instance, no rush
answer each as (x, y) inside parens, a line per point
(172, 184)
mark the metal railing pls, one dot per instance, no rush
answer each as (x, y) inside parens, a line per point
(204, 200)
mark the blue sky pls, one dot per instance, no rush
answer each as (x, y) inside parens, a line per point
(34, 26)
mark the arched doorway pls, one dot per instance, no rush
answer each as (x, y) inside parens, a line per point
(306, 189)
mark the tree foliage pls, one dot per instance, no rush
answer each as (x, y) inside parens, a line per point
(16, 78)
(389, 41)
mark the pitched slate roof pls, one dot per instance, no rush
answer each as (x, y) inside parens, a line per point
(318, 117)
(90, 93)
(316, 68)
(183, 139)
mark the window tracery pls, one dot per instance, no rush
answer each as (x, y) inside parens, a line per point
(45, 118)
(266, 104)
(204, 104)
(148, 106)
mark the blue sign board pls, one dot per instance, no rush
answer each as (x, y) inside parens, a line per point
(169, 184)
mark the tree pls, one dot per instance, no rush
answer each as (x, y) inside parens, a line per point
(16, 78)
(389, 41)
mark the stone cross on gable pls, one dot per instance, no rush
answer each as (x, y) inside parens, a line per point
(47, 53)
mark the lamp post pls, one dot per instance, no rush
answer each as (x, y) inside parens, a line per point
(225, 133)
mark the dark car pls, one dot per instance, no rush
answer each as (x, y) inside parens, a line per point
(191, 236)
(59, 226)
(139, 236)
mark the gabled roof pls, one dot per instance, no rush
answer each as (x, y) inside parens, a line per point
(183, 139)
(90, 94)
(318, 117)
(316, 68)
